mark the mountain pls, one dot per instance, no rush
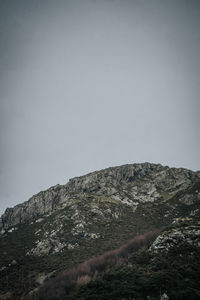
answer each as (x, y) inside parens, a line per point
(69, 224)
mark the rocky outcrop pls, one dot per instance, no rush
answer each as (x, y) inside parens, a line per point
(130, 184)
(43, 203)
(177, 237)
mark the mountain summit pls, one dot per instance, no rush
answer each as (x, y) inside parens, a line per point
(68, 224)
(130, 184)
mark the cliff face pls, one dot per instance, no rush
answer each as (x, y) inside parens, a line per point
(129, 184)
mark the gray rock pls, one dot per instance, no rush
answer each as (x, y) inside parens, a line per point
(176, 237)
(129, 184)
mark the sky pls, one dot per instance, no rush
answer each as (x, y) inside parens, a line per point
(89, 84)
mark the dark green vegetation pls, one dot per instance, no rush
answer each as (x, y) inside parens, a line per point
(175, 273)
(20, 277)
(65, 282)
(101, 212)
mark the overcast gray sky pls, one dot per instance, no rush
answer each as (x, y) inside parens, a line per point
(88, 84)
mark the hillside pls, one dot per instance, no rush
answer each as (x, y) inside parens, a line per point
(67, 224)
(173, 273)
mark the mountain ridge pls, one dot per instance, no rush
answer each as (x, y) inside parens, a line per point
(48, 200)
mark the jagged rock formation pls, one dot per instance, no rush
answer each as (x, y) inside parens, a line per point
(177, 236)
(130, 184)
(67, 224)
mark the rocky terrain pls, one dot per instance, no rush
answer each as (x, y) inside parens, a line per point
(68, 224)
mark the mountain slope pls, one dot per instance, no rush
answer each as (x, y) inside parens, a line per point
(173, 273)
(66, 225)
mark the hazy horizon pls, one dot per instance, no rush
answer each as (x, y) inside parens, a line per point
(88, 84)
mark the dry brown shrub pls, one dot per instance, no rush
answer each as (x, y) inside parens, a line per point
(83, 280)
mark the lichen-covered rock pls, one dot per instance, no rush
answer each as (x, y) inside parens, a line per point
(177, 237)
(47, 246)
(129, 184)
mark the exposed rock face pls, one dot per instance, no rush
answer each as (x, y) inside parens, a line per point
(176, 237)
(130, 184)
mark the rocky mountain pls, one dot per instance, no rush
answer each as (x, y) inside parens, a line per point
(68, 224)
